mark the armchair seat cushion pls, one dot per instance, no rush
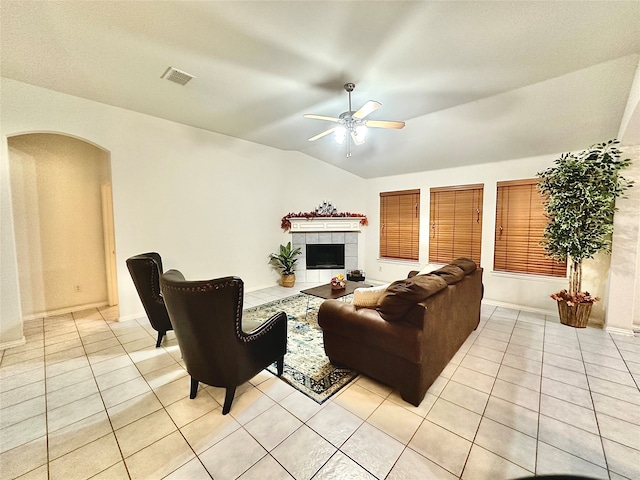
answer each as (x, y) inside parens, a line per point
(249, 326)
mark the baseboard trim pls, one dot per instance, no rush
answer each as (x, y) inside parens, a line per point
(515, 306)
(132, 316)
(620, 331)
(599, 322)
(14, 343)
(63, 311)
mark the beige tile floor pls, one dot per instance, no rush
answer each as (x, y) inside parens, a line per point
(90, 397)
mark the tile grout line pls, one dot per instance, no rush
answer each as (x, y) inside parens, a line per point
(604, 452)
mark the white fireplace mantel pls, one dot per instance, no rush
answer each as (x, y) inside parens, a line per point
(325, 224)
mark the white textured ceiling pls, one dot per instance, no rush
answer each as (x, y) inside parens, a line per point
(474, 81)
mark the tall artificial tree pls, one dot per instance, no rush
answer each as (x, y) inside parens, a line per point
(580, 193)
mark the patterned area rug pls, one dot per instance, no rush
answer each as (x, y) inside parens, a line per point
(306, 367)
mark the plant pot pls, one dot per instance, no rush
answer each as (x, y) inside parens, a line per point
(576, 315)
(288, 280)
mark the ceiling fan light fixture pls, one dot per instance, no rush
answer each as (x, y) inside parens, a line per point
(340, 134)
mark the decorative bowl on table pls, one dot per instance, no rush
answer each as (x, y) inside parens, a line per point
(338, 282)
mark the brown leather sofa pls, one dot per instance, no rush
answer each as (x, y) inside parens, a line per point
(410, 337)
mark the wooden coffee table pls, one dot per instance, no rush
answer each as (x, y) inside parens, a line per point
(326, 292)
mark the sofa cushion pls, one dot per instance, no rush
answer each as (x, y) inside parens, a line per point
(449, 273)
(428, 268)
(368, 296)
(402, 295)
(465, 264)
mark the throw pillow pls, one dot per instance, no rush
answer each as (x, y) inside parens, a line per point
(402, 295)
(368, 296)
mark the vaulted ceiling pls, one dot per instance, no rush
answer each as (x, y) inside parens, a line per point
(474, 81)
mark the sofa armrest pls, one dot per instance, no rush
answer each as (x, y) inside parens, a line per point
(365, 325)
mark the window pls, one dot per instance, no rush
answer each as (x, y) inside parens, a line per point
(455, 223)
(400, 224)
(520, 223)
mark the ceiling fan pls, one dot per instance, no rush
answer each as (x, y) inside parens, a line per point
(353, 123)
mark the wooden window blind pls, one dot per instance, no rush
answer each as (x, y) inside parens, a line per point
(455, 223)
(400, 224)
(520, 223)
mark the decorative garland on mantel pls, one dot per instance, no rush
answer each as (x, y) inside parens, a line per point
(324, 210)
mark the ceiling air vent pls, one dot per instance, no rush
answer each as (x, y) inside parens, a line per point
(177, 76)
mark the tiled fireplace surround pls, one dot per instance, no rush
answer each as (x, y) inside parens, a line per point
(302, 239)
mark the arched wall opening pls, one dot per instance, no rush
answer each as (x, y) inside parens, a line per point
(63, 223)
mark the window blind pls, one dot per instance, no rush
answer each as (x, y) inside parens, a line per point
(455, 223)
(400, 224)
(520, 223)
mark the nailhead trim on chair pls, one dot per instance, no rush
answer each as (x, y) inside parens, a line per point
(157, 296)
(246, 338)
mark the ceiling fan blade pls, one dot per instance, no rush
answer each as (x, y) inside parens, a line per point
(320, 135)
(384, 124)
(357, 140)
(321, 117)
(367, 108)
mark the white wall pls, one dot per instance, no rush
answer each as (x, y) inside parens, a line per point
(623, 307)
(210, 204)
(56, 194)
(524, 291)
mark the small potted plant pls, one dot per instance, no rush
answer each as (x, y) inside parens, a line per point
(285, 262)
(580, 194)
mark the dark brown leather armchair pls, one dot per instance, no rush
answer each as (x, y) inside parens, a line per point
(145, 270)
(216, 349)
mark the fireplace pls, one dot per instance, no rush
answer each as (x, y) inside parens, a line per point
(349, 241)
(325, 256)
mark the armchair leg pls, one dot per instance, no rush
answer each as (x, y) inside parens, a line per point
(228, 398)
(280, 365)
(160, 335)
(194, 388)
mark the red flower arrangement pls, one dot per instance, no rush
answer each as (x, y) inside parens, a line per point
(575, 299)
(285, 223)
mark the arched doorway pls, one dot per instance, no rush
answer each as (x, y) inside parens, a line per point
(63, 221)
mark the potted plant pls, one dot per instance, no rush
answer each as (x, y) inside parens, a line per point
(580, 192)
(285, 262)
